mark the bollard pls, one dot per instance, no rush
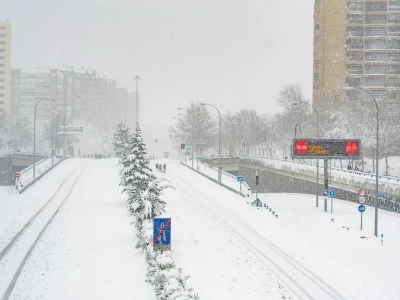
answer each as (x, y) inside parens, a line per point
(273, 213)
(276, 215)
(267, 206)
(270, 209)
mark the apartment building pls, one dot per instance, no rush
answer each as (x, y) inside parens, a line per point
(5, 68)
(356, 43)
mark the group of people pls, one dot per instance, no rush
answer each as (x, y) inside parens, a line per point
(161, 167)
(97, 156)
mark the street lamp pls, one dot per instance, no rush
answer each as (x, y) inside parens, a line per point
(137, 100)
(34, 136)
(316, 113)
(377, 153)
(52, 135)
(219, 142)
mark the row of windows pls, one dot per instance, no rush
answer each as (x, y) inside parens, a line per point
(374, 6)
(373, 31)
(375, 18)
(373, 44)
(390, 56)
(374, 81)
(357, 69)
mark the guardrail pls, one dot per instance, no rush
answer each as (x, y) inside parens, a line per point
(18, 183)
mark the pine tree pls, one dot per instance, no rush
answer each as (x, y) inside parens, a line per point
(122, 140)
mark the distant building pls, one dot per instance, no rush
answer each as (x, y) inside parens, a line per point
(5, 68)
(356, 43)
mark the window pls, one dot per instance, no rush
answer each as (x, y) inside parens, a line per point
(316, 38)
(354, 56)
(2, 35)
(316, 26)
(375, 19)
(2, 42)
(375, 69)
(316, 76)
(1, 79)
(355, 6)
(1, 102)
(378, 95)
(375, 6)
(394, 44)
(2, 57)
(316, 64)
(355, 18)
(393, 69)
(2, 72)
(394, 94)
(375, 44)
(354, 43)
(375, 56)
(354, 30)
(2, 65)
(375, 81)
(394, 31)
(355, 69)
(375, 31)
(353, 81)
(1, 95)
(394, 56)
(2, 27)
(1, 87)
(393, 82)
(316, 86)
(2, 50)
(394, 18)
(394, 6)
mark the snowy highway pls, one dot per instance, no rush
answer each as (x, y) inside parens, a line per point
(70, 237)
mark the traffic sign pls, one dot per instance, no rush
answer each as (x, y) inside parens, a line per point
(240, 178)
(361, 199)
(17, 175)
(362, 192)
(332, 193)
(325, 193)
(182, 146)
(361, 208)
(161, 234)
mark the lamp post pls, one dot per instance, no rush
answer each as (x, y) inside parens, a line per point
(219, 142)
(137, 100)
(52, 136)
(377, 153)
(316, 113)
(34, 136)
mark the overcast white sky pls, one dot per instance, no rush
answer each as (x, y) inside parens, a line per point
(229, 53)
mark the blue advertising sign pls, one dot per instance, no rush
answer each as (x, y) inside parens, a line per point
(332, 193)
(161, 234)
(361, 208)
(240, 178)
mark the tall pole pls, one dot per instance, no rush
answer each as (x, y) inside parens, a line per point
(137, 100)
(377, 155)
(317, 183)
(219, 143)
(34, 137)
(52, 139)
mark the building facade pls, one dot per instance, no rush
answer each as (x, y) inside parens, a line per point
(356, 43)
(5, 68)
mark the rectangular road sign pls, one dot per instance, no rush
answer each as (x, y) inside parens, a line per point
(325, 193)
(326, 148)
(240, 178)
(161, 234)
(188, 151)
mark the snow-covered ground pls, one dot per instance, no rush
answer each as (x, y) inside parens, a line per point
(230, 249)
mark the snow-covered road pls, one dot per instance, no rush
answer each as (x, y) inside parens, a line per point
(88, 249)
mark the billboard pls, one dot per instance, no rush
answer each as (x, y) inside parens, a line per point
(326, 148)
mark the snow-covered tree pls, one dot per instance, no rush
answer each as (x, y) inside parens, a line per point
(122, 140)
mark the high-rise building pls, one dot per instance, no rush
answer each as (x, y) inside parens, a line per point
(5, 68)
(356, 43)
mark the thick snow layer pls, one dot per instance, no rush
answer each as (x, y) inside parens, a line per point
(88, 251)
(217, 233)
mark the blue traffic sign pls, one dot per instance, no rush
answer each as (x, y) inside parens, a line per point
(325, 193)
(240, 178)
(332, 193)
(161, 234)
(361, 208)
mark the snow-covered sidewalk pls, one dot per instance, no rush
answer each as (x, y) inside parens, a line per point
(88, 251)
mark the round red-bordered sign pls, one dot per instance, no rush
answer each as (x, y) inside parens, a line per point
(17, 175)
(301, 147)
(351, 148)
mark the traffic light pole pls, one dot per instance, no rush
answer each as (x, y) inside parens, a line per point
(325, 183)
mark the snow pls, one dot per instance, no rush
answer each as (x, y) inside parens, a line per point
(229, 249)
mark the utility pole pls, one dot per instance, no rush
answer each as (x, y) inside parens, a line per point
(137, 101)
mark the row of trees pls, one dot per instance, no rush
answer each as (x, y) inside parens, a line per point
(144, 191)
(248, 132)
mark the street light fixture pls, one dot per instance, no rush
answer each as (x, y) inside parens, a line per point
(219, 142)
(316, 113)
(377, 153)
(34, 135)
